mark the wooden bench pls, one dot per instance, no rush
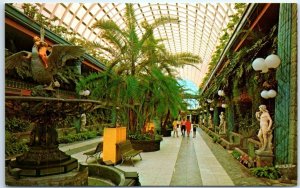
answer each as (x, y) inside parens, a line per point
(127, 152)
(95, 153)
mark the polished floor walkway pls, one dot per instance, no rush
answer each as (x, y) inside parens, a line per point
(182, 161)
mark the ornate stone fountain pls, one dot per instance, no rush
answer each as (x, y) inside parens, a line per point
(44, 157)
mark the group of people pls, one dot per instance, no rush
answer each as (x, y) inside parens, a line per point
(185, 126)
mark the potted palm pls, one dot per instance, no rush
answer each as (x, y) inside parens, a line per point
(139, 79)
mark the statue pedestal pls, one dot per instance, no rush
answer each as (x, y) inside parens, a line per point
(264, 158)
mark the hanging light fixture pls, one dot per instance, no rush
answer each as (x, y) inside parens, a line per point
(211, 109)
(272, 61)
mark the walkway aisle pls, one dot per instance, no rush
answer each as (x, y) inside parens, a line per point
(186, 171)
(157, 167)
(212, 173)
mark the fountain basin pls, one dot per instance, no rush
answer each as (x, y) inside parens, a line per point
(101, 175)
(72, 178)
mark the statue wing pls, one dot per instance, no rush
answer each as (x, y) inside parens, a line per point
(18, 60)
(61, 53)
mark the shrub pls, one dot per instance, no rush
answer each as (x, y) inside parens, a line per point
(16, 125)
(77, 137)
(236, 154)
(267, 172)
(13, 146)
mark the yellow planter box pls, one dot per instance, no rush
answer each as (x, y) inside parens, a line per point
(111, 137)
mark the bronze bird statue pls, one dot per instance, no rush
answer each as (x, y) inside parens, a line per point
(41, 66)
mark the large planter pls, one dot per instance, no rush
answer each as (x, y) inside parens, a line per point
(166, 132)
(146, 145)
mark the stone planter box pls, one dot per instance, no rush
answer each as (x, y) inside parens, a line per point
(146, 145)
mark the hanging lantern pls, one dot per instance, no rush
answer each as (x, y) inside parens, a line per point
(264, 94)
(221, 93)
(272, 61)
(224, 105)
(272, 93)
(259, 64)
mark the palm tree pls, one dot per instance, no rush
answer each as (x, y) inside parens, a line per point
(139, 81)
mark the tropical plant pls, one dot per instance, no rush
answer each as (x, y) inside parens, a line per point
(266, 172)
(139, 83)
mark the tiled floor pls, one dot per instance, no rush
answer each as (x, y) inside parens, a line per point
(183, 161)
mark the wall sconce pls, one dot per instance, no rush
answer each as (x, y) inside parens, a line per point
(263, 65)
(268, 94)
(221, 93)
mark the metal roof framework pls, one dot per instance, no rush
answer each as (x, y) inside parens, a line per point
(198, 31)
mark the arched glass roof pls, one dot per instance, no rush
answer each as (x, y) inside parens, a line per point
(198, 31)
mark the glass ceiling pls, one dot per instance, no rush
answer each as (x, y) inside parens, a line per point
(198, 32)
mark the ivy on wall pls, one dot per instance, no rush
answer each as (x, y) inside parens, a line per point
(241, 83)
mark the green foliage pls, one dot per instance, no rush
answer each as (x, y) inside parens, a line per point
(266, 172)
(14, 146)
(15, 125)
(236, 154)
(77, 137)
(140, 79)
(240, 7)
(144, 136)
(216, 139)
(32, 12)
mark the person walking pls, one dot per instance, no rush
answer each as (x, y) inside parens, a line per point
(188, 127)
(175, 131)
(182, 127)
(194, 129)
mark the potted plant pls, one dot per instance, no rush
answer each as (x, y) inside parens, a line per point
(139, 80)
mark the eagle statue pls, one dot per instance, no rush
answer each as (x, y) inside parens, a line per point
(41, 66)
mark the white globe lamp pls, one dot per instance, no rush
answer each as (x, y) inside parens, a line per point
(272, 93)
(272, 61)
(224, 105)
(221, 93)
(264, 94)
(259, 64)
(87, 92)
